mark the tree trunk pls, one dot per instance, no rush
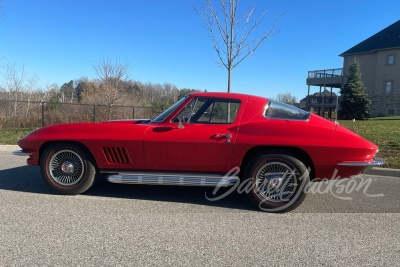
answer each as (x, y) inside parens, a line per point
(110, 111)
(229, 78)
(229, 90)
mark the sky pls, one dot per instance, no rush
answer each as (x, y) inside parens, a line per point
(166, 42)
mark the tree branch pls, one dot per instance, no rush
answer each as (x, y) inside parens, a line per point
(228, 26)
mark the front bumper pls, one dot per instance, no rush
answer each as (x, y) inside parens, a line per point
(21, 153)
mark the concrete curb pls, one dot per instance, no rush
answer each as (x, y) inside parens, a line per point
(382, 171)
(9, 148)
(369, 170)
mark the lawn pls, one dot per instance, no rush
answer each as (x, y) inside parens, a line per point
(10, 136)
(384, 132)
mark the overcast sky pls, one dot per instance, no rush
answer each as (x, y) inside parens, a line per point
(165, 41)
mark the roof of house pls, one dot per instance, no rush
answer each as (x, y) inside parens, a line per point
(327, 93)
(386, 38)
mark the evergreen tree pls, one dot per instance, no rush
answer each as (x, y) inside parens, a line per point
(68, 89)
(186, 91)
(354, 103)
(80, 87)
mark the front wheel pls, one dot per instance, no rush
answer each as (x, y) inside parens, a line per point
(277, 181)
(67, 168)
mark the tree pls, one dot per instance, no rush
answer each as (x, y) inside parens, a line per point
(15, 80)
(186, 91)
(233, 34)
(54, 103)
(80, 85)
(112, 76)
(1, 17)
(68, 90)
(79, 90)
(286, 98)
(354, 103)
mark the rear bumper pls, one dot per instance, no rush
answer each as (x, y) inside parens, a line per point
(21, 153)
(361, 164)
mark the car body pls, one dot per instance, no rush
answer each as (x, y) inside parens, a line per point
(196, 142)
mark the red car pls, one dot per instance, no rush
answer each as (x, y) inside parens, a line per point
(205, 139)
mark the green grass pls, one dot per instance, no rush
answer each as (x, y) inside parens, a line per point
(9, 136)
(384, 132)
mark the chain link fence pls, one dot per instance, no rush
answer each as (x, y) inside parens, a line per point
(27, 114)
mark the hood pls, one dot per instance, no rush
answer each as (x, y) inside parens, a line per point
(128, 121)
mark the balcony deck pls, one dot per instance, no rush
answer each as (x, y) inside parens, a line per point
(327, 78)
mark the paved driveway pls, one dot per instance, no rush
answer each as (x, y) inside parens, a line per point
(152, 225)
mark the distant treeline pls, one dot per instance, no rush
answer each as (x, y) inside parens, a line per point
(111, 88)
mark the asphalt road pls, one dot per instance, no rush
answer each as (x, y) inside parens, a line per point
(153, 225)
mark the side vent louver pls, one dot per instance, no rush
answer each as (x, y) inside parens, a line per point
(116, 155)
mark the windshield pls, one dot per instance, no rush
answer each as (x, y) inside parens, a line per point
(169, 111)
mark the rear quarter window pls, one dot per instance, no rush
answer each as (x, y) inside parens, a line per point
(278, 110)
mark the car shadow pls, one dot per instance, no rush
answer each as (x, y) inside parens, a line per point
(28, 179)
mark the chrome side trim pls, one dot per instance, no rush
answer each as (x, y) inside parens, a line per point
(362, 164)
(184, 179)
(21, 153)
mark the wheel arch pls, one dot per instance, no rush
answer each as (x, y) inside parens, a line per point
(79, 144)
(300, 153)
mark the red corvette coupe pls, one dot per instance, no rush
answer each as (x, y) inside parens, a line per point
(205, 139)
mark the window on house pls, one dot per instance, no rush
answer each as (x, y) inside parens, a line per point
(390, 60)
(388, 88)
(391, 112)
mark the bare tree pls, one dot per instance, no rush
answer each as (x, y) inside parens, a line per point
(1, 20)
(1, 8)
(286, 98)
(112, 76)
(31, 87)
(233, 34)
(15, 79)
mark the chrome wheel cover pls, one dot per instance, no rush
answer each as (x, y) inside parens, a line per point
(66, 167)
(276, 181)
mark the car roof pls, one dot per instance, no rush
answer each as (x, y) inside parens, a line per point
(223, 94)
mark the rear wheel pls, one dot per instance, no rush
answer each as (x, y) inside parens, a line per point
(67, 168)
(277, 181)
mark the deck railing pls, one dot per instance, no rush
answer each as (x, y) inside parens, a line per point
(325, 73)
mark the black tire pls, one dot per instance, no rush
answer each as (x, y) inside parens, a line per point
(278, 180)
(68, 169)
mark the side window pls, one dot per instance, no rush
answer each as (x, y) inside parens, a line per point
(205, 116)
(204, 110)
(185, 113)
(224, 112)
(277, 110)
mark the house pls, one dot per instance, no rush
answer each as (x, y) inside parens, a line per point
(325, 100)
(379, 58)
(314, 102)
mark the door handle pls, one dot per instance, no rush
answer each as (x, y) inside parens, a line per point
(227, 135)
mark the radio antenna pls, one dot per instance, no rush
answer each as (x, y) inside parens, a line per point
(337, 110)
